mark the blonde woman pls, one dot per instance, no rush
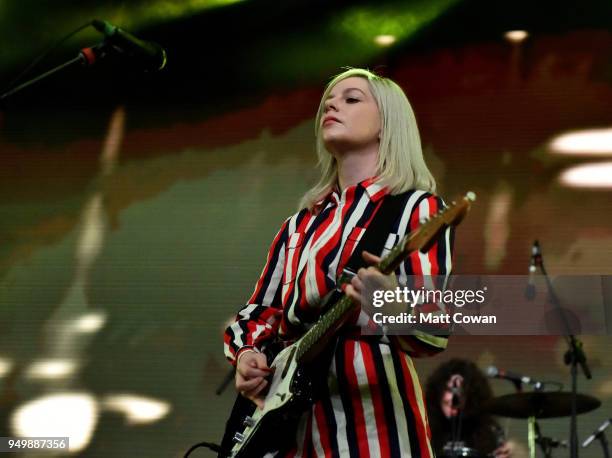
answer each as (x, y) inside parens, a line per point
(368, 147)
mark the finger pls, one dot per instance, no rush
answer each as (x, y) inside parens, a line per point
(259, 389)
(354, 295)
(259, 402)
(249, 385)
(357, 284)
(369, 272)
(370, 258)
(251, 372)
(259, 361)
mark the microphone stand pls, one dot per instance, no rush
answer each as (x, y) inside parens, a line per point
(86, 57)
(573, 357)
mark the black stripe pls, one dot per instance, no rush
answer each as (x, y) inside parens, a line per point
(347, 406)
(385, 392)
(330, 420)
(442, 247)
(273, 264)
(415, 446)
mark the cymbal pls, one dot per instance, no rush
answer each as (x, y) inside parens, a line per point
(539, 404)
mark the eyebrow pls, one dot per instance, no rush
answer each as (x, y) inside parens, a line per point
(345, 91)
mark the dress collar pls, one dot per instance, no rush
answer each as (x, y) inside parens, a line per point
(373, 189)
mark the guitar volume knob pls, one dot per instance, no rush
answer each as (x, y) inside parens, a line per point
(248, 421)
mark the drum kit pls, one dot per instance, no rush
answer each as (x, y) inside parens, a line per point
(533, 406)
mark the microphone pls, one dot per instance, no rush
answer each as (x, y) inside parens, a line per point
(457, 391)
(517, 379)
(530, 289)
(597, 434)
(150, 54)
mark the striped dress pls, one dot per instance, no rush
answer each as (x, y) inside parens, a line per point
(374, 405)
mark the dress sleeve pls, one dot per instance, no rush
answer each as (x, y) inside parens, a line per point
(257, 322)
(431, 270)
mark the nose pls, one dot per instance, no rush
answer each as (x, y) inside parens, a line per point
(330, 104)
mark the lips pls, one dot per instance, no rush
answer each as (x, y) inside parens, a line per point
(329, 119)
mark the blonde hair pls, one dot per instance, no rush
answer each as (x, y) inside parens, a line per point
(401, 165)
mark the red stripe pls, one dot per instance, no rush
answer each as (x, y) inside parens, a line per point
(359, 420)
(319, 415)
(418, 415)
(377, 403)
(334, 241)
(307, 446)
(348, 248)
(303, 304)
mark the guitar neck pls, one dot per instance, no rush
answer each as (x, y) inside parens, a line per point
(317, 337)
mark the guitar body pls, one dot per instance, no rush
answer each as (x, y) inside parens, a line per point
(273, 428)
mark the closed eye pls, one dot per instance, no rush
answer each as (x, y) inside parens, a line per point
(352, 100)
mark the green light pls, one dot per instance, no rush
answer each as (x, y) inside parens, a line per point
(365, 23)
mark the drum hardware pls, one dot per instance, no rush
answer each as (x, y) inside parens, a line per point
(538, 405)
(547, 444)
(600, 435)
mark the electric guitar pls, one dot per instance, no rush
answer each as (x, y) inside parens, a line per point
(290, 391)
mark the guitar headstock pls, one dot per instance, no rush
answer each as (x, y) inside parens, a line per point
(422, 237)
(451, 215)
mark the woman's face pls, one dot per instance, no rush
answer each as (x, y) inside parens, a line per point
(351, 119)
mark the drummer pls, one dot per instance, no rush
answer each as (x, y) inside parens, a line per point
(454, 393)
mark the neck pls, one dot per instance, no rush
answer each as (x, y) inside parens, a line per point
(356, 166)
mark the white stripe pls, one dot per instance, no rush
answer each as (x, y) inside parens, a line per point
(293, 241)
(418, 394)
(258, 330)
(348, 228)
(402, 230)
(301, 262)
(301, 435)
(244, 314)
(398, 405)
(366, 402)
(316, 436)
(312, 292)
(447, 255)
(339, 417)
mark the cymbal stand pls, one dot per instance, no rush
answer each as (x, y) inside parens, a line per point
(547, 444)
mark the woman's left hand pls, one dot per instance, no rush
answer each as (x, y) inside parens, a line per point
(367, 280)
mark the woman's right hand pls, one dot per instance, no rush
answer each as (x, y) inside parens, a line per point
(251, 372)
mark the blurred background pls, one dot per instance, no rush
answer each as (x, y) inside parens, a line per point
(136, 208)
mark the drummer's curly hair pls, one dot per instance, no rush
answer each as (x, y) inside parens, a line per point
(477, 390)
